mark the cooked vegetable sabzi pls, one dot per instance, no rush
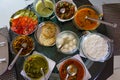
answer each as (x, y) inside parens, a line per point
(17, 44)
(69, 10)
(33, 65)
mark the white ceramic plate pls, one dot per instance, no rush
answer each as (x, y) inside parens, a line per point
(4, 54)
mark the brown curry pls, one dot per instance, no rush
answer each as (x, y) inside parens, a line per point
(17, 44)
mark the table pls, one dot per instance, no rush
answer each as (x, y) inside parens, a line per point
(95, 68)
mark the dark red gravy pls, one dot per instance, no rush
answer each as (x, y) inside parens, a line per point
(80, 70)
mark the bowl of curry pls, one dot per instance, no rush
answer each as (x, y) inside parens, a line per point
(33, 64)
(80, 69)
(65, 10)
(80, 20)
(17, 42)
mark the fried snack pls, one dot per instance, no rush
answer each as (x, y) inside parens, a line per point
(49, 30)
(46, 41)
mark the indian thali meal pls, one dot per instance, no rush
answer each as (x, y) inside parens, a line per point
(33, 64)
(23, 22)
(80, 18)
(96, 47)
(65, 10)
(80, 70)
(46, 33)
(67, 42)
(46, 9)
(17, 42)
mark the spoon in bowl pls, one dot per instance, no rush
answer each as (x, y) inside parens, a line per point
(114, 25)
(62, 10)
(43, 74)
(24, 45)
(71, 71)
(43, 2)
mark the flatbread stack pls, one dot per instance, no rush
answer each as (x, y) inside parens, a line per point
(48, 34)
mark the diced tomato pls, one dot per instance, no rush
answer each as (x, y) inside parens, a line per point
(23, 25)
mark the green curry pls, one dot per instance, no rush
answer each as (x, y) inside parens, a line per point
(33, 65)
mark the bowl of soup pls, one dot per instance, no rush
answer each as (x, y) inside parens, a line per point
(80, 69)
(80, 20)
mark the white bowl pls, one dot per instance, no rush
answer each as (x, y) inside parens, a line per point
(69, 1)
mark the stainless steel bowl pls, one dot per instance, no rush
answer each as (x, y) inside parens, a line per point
(17, 42)
(63, 42)
(44, 9)
(80, 20)
(39, 33)
(97, 57)
(23, 22)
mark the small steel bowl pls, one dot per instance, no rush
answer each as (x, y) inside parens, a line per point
(39, 33)
(107, 41)
(23, 22)
(17, 42)
(60, 42)
(80, 20)
(44, 11)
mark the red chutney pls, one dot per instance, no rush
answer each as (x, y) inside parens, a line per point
(80, 70)
(86, 24)
(23, 25)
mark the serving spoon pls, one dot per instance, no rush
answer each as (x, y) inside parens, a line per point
(71, 71)
(24, 45)
(43, 2)
(43, 74)
(114, 25)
